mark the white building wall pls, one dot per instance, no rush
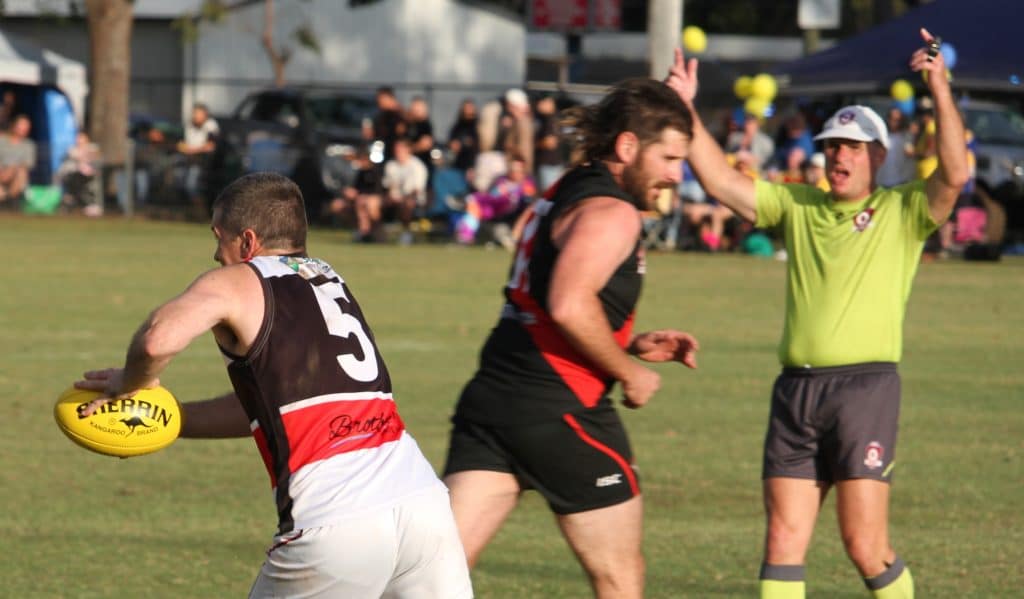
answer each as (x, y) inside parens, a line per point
(439, 48)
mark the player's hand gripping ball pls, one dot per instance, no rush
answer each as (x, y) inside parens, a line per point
(144, 423)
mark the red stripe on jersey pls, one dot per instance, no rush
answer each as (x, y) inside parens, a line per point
(587, 381)
(327, 429)
(608, 451)
(268, 460)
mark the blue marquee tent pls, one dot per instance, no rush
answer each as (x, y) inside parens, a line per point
(986, 35)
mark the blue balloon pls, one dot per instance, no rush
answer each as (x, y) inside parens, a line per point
(948, 54)
(906, 106)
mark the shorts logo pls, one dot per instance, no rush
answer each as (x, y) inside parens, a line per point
(863, 219)
(873, 455)
(607, 481)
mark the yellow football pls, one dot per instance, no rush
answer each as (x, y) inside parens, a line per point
(147, 422)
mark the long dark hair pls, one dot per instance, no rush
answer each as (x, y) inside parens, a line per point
(644, 107)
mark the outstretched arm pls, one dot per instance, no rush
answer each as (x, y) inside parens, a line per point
(210, 301)
(944, 185)
(718, 179)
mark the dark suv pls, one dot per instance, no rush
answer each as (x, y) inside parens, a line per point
(304, 134)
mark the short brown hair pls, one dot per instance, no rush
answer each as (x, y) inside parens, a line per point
(644, 107)
(269, 204)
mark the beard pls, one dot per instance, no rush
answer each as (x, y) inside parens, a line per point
(640, 185)
(637, 184)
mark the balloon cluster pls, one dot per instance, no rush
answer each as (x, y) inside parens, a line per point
(757, 93)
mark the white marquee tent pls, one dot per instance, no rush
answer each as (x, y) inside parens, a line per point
(22, 61)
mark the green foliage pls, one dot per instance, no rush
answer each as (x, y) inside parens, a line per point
(193, 520)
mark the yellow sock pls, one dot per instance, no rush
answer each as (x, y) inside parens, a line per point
(895, 583)
(782, 589)
(782, 582)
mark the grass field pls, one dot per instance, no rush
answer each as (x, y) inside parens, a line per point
(194, 519)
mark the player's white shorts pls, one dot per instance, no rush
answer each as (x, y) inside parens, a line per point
(407, 551)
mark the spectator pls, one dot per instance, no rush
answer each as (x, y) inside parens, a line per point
(364, 192)
(405, 183)
(500, 204)
(924, 143)
(548, 153)
(389, 124)
(77, 175)
(463, 138)
(814, 172)
(421, 131)
(196, 148)
(750, 138)
(515, 132)
(8, 108)
(17, 158)
(792, 167)
(898, 167)
(794, 133)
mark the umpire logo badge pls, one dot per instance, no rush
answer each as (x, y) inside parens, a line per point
(863, 219)
(873, 455)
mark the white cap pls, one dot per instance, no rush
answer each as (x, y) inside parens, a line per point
(818, 159)
(517, 97)
(858, 123)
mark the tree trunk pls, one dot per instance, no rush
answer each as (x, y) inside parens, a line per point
(110, 57)
(278, 59)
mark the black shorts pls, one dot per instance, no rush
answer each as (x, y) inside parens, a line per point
(833, 424)
(580, 462)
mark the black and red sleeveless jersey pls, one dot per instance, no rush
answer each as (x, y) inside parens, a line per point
(528, 370)
(319, 400)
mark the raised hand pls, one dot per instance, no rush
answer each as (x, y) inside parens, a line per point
(930, 60)
(682, 77)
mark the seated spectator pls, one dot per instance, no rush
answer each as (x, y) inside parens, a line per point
(196, 148)
(17, 159)
(77, 174)
(421, 131)
(359, 198)
(500, 204)
(405, 185)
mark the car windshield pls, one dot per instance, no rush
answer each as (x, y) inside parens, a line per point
(994, 126)
(340, 111)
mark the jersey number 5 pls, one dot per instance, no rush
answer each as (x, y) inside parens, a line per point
(344, 325)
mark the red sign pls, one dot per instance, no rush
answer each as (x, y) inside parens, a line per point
(575, 15)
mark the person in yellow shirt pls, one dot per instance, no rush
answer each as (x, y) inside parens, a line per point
(853, 253)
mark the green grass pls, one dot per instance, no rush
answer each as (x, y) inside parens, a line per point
(194, 520)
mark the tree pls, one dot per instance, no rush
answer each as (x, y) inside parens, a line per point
(214, 11)
(110, 57)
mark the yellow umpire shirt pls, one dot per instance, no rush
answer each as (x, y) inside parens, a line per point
(849, 271)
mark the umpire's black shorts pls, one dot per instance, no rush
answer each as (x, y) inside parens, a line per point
(578, 463)
(834, 424)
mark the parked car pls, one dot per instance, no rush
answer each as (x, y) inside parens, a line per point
(304, 134)
(999, 135)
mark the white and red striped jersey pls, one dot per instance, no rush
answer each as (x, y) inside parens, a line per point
(319, 400)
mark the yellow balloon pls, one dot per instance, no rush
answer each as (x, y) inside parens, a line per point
(901, 90)
(742, 87)
(756, 106)
(694, 39)
(763, 86)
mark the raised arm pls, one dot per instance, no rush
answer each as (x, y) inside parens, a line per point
(716, 176)
(944, 185)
